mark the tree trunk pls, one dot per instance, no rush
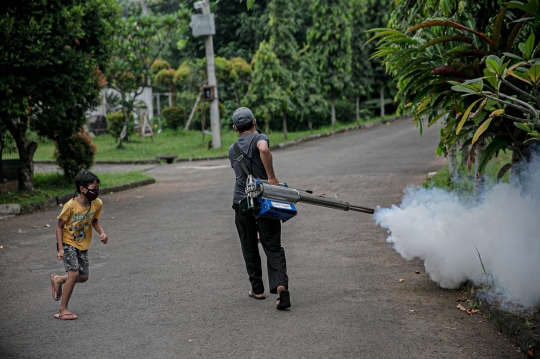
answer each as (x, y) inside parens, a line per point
(173, 96)
(284, 125)
(26, 151)
(465, 150)
(357, 108)
(479, 177)
(236, 98)
(333, 111)
(452, 164)
(203, 118)
(144, 8)
(381, 92)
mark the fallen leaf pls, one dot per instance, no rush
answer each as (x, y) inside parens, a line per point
(411, 310)
(1, 247)
(47, 225)
(461, 307)
(401, 280)
(113, 217)
(18, 230)
(461, 299)
(111, 192)
(471, 311)
(118, 199)
(530, 352)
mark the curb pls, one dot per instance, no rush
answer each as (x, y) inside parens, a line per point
(272, 148)
(514, 329)
(32, 207)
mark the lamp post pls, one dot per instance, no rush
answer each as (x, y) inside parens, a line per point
(203, 25)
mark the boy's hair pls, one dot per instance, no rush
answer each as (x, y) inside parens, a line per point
(245, 127)
(84, 178)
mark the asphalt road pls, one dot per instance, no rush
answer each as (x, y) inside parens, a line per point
(171, 283)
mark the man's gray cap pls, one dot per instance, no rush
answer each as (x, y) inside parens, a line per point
(242, 116)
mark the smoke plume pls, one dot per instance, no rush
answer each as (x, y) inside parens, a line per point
(451, 235)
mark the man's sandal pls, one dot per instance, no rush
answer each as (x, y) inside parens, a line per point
(284, 300)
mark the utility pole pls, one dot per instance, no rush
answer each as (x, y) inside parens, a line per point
(204, 25)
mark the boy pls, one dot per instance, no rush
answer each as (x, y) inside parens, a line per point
(74, 237)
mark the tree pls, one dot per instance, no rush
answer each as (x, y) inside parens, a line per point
(282, 22)
(329, 41)
(265, 95)
(141, 40)
(49, 68)
(482, 83)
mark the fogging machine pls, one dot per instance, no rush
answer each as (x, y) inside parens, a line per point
(271, 201)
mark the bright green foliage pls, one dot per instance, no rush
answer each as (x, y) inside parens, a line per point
(474, 82)
(265, 96)
(166, 78)
(240, 77)
(76, 154)
(50, 60)
(307, 94)
(329, 41)
(141, 41)
(283, 27)
(175, 117)
(116, 122)
(159, 65)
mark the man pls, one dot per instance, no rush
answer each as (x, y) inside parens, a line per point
(258, 160)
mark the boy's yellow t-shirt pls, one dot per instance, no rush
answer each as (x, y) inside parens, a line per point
(77, 231)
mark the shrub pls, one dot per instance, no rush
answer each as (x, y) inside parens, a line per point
(159, 65)
(116, 122)
(75, 154)
(175, 116)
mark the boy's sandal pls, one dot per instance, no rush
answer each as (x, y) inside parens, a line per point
(66, 316)
(284, 300)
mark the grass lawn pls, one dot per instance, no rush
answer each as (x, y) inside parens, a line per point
(50, 185)
(465, 186)
(184, 144)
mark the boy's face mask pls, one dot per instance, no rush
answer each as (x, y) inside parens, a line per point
(92, 194)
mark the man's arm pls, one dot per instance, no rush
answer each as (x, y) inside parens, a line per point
(266, 157)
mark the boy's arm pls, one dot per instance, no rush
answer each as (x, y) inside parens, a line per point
(59, 235)
(266, 158)
(102, 236)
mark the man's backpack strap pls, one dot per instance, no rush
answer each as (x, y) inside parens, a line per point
(240, 158)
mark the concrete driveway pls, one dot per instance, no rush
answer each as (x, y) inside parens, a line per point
(171, 283)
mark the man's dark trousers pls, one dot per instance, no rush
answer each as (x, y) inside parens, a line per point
(270, 237)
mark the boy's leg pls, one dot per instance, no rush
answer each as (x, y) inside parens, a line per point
(77, 267)
(69, 285)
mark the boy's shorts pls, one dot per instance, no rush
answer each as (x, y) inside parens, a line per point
(75, 259)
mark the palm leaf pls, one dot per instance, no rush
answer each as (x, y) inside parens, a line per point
(497, 25)
(441, 39)
(495, 146)
(481, 129)
(465, 116)
(452, 24)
